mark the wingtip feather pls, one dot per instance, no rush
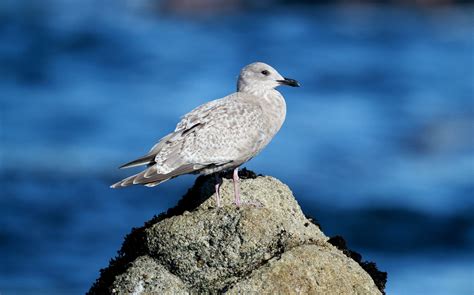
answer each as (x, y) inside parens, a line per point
(139, 162)
(116, 185)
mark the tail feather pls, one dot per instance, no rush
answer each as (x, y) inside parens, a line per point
(150, 177)
(149, 158)
(131, 180)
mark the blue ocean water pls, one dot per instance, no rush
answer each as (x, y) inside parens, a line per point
(378, 143)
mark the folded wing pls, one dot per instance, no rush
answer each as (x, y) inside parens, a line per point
(220, 133)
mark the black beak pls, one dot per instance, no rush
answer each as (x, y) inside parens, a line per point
(289, 82)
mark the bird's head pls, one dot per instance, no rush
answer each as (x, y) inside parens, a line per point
(259, 76)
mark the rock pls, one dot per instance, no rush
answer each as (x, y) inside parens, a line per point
(147, 275)
(308, 269)
(198, 248)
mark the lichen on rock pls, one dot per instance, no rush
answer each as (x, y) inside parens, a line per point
(198, 248)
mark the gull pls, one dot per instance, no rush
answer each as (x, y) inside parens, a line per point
(219, 135)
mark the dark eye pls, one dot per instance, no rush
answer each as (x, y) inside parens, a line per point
(265, 72)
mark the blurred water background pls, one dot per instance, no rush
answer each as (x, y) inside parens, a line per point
(378, 144)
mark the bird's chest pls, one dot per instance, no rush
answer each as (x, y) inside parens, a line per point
(274, 112)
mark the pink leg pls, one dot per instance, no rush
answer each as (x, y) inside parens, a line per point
(217, 186)
(236, 187)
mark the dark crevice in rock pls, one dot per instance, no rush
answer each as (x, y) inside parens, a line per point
(379, 277)
(280, 247)
(234, 277)
(231, 226)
